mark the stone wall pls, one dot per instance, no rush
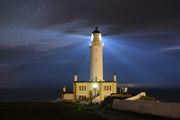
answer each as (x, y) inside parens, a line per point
(68, 97)
(170, 110)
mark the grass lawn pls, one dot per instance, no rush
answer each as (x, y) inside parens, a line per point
(46, 111)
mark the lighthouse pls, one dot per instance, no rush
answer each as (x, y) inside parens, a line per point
(96, 56)
(94, 89)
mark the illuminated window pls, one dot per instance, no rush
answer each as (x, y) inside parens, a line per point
(107, 88)
(82, 88)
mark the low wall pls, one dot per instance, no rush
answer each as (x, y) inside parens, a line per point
(68, 97)
(170, 110)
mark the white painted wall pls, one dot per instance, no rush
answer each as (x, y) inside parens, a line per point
(96, 67)
(137, 97)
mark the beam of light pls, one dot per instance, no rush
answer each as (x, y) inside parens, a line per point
(42, 38)
(55, 50)
(50, 37)
(83, 69)
(131, 56)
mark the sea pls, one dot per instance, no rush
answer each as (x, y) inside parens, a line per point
(51, 94)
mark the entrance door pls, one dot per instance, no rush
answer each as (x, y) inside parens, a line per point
(94, 92)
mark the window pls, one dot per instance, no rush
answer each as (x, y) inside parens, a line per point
(110, 88)
(82, 97)
(82, 88)
(107, 88)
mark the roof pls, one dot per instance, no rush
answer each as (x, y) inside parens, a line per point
(93, 81)
(96, 30)
(68, 92)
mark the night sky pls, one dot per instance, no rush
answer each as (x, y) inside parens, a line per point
(43, 42)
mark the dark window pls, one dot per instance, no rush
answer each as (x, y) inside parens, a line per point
(82, 88)
(107, 88)
(82, 97)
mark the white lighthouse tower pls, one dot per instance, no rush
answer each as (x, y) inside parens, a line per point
(96, 56)
(96, 89)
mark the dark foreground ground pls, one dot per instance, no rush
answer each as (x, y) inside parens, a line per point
(65, 111)
(46, 111)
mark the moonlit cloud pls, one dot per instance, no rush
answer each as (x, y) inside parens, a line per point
(44, 39)
(172, 48)
(3, 65)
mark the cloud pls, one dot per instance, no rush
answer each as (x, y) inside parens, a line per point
(171, 48)
(144, 85)
(3, 65)
(42, 39)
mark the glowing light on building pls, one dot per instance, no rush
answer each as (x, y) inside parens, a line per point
(95, 85)
(99, 38)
